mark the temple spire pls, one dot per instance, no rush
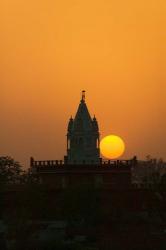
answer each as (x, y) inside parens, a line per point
(83, 137)
(83, 96)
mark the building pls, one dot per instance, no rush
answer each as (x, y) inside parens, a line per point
(83, 137)
(82, 165)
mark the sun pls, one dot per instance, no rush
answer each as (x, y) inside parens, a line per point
(112, 146)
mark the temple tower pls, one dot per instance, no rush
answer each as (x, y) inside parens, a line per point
(83, 137)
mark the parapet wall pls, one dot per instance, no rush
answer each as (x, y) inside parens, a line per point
(64, 164)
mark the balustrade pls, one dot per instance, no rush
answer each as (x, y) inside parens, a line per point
(60, 163)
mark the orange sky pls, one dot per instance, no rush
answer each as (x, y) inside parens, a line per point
(51, 50)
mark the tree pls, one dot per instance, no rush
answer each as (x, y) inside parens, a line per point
(10, 170)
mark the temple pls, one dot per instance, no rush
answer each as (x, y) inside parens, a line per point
(83, 137)
(82, 164)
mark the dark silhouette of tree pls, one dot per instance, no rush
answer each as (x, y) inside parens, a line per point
(10, 170)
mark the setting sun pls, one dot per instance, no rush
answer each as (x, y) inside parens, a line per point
(112, 146)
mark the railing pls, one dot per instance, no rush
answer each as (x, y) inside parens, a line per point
(46, 163)
(117, 163)
(60, 163)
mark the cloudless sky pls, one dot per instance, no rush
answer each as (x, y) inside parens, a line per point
(51, 50)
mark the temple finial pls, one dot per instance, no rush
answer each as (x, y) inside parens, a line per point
(83, 95)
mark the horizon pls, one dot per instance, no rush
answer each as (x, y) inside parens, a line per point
(27, 161)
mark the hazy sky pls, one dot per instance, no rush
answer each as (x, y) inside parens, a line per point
(51, 50)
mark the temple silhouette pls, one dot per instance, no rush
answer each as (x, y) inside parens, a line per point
(83, 137)
(82, 164)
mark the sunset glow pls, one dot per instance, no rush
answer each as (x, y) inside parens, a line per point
(51, 50)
